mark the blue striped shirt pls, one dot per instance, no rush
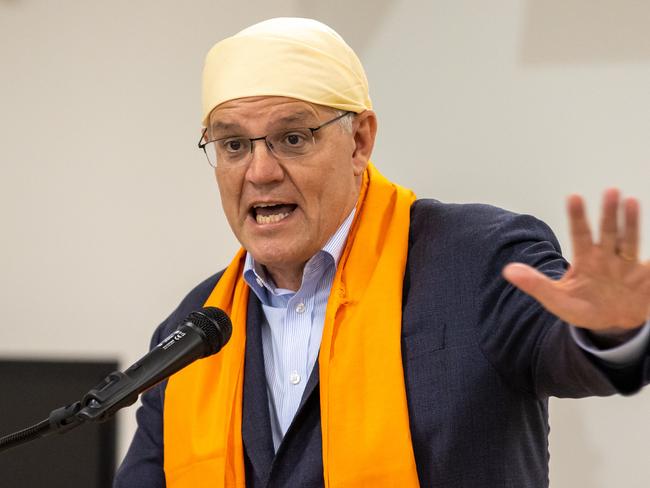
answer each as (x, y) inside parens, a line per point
(292, 332)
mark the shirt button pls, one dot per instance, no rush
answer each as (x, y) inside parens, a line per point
(300, 308)
(294, 378)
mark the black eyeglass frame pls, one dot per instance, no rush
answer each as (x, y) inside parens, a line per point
(263, 138)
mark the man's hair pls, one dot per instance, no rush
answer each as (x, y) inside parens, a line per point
(345, 122)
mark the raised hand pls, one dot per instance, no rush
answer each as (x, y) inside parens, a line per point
(607, 287)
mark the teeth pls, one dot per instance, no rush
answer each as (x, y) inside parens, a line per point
(262, 205)
(270, 219)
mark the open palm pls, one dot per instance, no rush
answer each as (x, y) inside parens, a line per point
(607, 287)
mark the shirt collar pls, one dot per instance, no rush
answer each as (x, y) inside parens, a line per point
(259, 281)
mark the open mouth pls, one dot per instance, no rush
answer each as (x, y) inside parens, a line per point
(271, 213)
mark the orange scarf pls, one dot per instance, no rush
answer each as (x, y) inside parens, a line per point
(364, 415)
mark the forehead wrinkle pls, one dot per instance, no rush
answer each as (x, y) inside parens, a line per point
(302, 117)
(294, 119)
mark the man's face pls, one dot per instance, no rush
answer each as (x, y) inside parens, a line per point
(284, 211)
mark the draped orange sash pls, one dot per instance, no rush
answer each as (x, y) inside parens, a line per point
(364, 415)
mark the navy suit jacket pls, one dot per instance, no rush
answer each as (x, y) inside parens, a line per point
(480, 360)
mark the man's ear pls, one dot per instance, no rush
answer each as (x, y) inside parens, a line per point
(364, 130)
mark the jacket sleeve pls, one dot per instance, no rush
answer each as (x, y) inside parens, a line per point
(517, 334)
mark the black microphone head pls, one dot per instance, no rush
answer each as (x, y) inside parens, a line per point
(216, 326)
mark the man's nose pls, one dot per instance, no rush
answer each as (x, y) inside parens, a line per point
(264, 167)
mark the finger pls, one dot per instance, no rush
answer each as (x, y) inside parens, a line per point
(609, 220)
(579, 225)
(533, 283)
(629, 243)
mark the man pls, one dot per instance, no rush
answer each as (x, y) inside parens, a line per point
(381, 344)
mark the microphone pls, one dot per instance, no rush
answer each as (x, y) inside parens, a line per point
(203, 333)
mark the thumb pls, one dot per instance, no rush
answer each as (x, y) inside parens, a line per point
(530, 281)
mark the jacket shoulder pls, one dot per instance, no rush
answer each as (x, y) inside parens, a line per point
(473, 225)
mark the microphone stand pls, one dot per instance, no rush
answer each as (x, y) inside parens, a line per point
(98, 405)
(203, 333)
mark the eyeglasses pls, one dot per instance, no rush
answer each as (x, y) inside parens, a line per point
(284, 144)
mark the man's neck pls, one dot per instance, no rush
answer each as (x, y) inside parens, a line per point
(287, 278)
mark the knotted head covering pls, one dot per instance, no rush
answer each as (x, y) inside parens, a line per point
(287, 57)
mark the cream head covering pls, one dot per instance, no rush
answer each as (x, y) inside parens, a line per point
(288, 57)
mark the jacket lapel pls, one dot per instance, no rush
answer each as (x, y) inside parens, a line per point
(256, 429)
(309, 387)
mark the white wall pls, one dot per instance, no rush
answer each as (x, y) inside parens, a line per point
(109, 214)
